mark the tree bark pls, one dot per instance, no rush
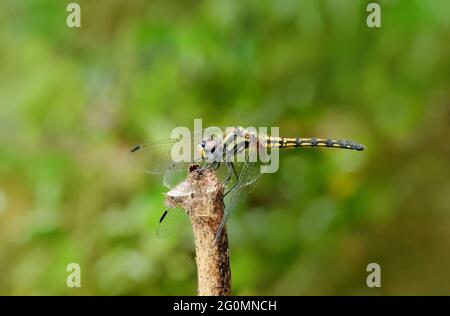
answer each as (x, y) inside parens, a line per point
(205, 208)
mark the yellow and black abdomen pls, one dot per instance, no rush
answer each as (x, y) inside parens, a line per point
(284, 142)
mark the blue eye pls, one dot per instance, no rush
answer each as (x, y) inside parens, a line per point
(203, 144)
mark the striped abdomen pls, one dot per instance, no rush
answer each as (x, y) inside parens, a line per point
(284, 142)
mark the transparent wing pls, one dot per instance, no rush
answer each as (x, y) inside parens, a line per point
(171, 221)
(156, 156)
(152, 157)
(249, 173)
(247, 177)
(174, 215)
(175, 174)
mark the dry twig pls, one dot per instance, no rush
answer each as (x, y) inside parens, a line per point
(205, 209)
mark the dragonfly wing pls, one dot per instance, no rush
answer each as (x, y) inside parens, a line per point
(175, 174)
(152, 157)
(248, 172)
(248, 175)
(156, 157)
(171, 220)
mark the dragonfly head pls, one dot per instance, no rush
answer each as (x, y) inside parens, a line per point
(208, 148)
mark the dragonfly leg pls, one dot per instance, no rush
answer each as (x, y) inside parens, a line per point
(231, 171)
(210, 163)
(219, 230)
(231, 189)
(228, 177)
(212, 166)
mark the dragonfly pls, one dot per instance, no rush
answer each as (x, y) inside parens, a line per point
(236, 154)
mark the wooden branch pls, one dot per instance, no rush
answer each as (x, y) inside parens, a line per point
(205, 209)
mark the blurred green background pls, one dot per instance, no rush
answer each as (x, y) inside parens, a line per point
(73, 101)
